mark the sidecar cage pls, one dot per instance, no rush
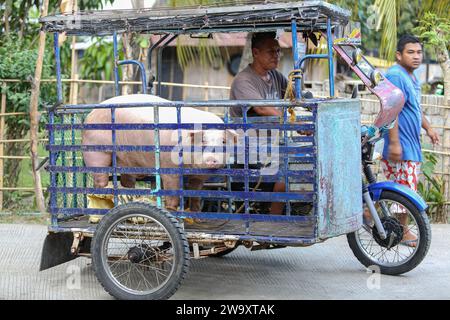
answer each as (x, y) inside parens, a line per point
(312, 167)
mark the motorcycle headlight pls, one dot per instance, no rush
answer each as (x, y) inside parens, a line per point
(376, 77)
(357, 56)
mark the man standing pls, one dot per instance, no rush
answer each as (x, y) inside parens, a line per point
(261, 80)
(402, 155)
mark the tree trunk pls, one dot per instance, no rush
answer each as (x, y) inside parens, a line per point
(8, 9)
(35, 115)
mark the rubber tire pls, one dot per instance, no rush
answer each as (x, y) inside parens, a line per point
(424, 244)
(180, 246)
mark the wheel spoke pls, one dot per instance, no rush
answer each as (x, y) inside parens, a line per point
(150, 264)
(375, 249)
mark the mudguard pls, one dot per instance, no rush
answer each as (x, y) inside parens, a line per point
(56, 250)
(377, 188)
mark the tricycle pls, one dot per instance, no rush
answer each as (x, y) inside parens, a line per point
(144, 237)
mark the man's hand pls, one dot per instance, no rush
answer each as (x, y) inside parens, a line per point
(395, 151)
(433, 136)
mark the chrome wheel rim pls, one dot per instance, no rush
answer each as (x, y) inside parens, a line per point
(138, 254)
(398, 254)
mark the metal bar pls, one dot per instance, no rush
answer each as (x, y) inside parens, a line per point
(159, 63)
(203, 215)
(211, 103)
(141, 69)
(150, 53)
(298, 83)
(63, 162)
(228, 180)
(116, 69)
(59, 92)
(74, 175)
(285, 150)
(85, 200)
(156, 138)
(174, 126)
(311, 56)
(242, 217)
(259, 196)
(295, 175)
(286, 162)
(180, 157)
(246, 159)
(155, 45)
(114, 157)
(330, 57)
(316, 182)
(52, 160)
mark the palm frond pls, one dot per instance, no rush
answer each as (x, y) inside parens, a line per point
(387, 11)
(439, 7)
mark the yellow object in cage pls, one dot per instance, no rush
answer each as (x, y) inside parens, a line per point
(106, 201)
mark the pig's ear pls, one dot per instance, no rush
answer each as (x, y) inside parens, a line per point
(232, 134)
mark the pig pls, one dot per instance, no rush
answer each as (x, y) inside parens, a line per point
(209, 160)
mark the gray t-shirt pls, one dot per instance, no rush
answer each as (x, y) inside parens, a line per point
(248, 85)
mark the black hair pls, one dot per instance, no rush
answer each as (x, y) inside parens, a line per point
(404, 40)
(260, 37)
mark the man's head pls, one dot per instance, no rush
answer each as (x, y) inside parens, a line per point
(409, 52)
(266, 50)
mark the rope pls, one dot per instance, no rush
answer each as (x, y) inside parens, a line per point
(290, 94)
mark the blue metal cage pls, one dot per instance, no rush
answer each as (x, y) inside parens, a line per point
(318, 168)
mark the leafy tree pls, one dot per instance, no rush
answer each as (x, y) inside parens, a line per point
(432, 189)
(17, 61)
(390, 14)
(435, 32)
(18, 53)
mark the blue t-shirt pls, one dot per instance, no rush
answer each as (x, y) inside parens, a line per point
(410, 118)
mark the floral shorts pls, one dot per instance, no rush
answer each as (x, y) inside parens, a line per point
(403, 172)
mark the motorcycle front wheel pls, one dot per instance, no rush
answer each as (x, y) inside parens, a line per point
(394, 255)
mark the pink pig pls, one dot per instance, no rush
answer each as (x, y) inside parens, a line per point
(207, 159)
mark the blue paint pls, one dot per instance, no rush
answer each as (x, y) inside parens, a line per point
(59, 91)
(116, 69)
(141, 70)
(114, 155)
(156, 138)
(298, 87)
(330, 57)
(377, 188)
(339, 182)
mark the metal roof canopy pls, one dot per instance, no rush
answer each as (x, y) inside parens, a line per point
(192, 20)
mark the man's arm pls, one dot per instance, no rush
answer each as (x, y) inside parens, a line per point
(267, 111)
(430, 132)
(395, 148)
(245, 90)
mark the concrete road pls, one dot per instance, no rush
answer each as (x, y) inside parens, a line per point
(323, 271)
